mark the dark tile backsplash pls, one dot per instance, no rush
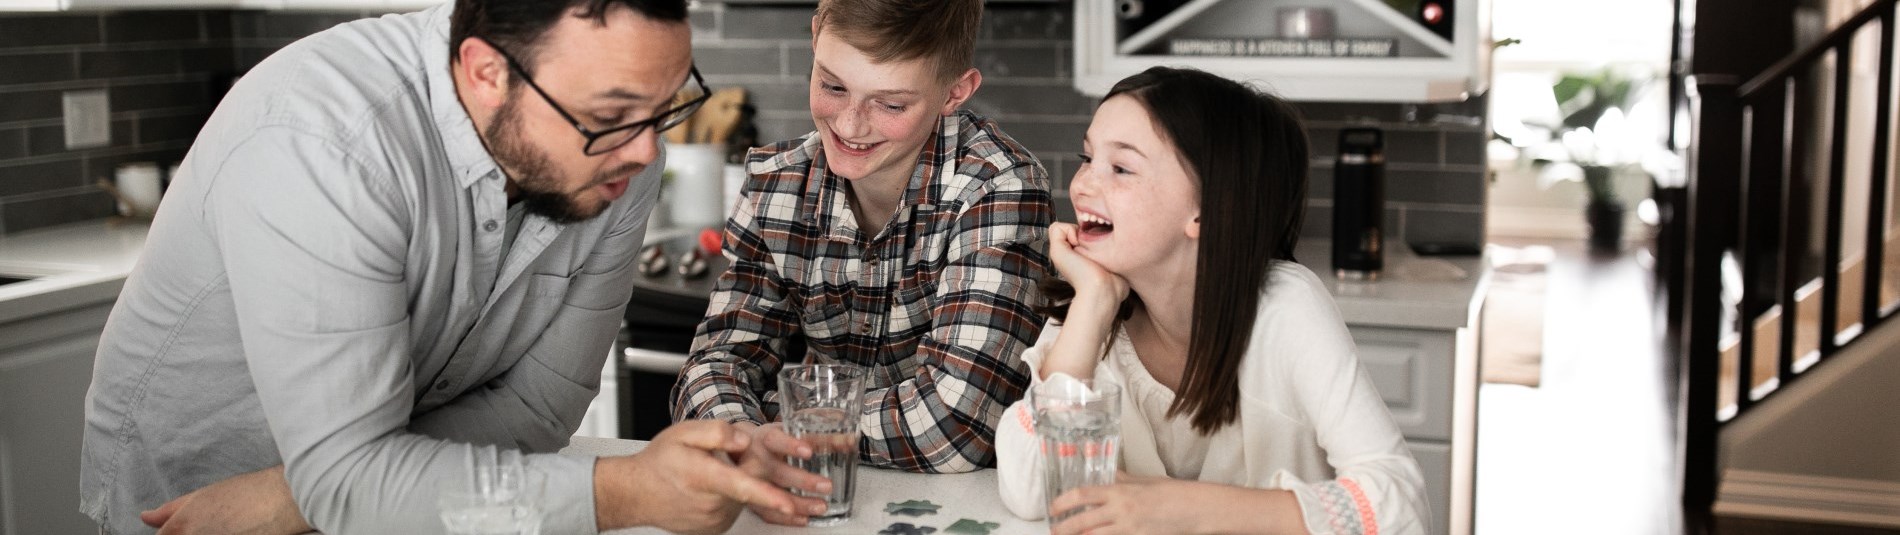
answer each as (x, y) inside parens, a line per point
(164, 71)
(157, 67)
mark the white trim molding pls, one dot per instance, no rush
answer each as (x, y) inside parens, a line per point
(1807, 498)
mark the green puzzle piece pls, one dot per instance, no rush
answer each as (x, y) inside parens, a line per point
(965, 526)
(912, 508)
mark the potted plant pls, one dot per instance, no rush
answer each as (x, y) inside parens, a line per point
(1591, 142)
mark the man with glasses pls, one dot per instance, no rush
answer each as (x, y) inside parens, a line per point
(395, 244)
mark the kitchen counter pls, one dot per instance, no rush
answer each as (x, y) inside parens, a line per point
(970, 495)
(68, 265)
(1415, 292)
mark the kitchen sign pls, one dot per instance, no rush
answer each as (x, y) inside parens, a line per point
(1275, 47)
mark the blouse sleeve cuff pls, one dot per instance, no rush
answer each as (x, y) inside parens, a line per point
(1337, 507)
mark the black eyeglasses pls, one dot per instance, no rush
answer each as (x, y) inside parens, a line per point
(684, 103)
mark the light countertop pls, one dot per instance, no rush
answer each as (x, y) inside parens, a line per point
(970, 495)
(94, 258)
(69, 265)
(1418, 292)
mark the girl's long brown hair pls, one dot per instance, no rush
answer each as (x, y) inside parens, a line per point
(1247, 151)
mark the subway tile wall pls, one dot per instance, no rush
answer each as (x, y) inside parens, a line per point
(163, 71)
(1435, 172)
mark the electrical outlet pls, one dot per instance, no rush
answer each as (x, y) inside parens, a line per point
(88, 119)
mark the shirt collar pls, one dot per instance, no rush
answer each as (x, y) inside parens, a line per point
(931, 162)
(468, 157)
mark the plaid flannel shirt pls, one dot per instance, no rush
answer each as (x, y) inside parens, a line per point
(937, 305)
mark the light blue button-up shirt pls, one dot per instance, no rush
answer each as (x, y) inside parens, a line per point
(326, 287)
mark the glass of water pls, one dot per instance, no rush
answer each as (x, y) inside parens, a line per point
(821, 403)
(1080, 428)
(498, 495)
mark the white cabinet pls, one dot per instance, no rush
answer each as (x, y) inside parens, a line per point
(1345, 50)
(1429, 381)
(45, 368)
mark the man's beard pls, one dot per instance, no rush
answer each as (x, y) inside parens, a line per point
(536, 186)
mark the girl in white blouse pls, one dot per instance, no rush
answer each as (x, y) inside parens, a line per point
(1244, 408)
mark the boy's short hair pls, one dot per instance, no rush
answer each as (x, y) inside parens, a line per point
(941, 31)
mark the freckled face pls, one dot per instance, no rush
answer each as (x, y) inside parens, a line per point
(874, 117)
(1134, 198)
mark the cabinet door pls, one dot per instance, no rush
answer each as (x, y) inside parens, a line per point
(42, 416)
(1413, 371)
(1435, 460)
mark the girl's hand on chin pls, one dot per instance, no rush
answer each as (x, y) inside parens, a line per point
(1088, 278)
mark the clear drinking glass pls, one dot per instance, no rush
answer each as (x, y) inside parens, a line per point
(1080, 428)
(498, 495)
(820, 403)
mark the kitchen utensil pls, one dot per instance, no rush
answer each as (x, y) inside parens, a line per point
(720, 115)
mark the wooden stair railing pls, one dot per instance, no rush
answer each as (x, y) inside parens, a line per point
(1749, 196)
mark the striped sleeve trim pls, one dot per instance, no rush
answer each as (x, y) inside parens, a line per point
(1348, 510)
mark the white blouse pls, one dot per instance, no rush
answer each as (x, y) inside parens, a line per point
(1310, 421)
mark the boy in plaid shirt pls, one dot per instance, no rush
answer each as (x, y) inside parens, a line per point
(903, 235)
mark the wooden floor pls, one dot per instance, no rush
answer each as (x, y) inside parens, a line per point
(1591, 450)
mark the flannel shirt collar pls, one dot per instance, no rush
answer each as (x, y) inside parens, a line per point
(825, 192)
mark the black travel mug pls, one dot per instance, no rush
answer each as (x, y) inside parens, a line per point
(1359, 204)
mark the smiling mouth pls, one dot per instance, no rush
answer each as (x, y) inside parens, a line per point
(1093, 225)
(855, 148)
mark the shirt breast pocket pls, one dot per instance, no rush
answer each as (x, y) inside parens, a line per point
(910, 314)
(546, 294)
(528, 316)
(827, 321)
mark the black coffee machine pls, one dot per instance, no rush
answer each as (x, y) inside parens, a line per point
(1359, 204)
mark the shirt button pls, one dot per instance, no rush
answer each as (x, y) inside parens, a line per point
(442, 384)
(490, 225)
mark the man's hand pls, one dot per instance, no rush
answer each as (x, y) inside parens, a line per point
(765, 459)
(257, 502)
(683, 482)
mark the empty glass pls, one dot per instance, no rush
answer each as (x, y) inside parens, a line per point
(821, 404)
(1080, 430)
(497, 496)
